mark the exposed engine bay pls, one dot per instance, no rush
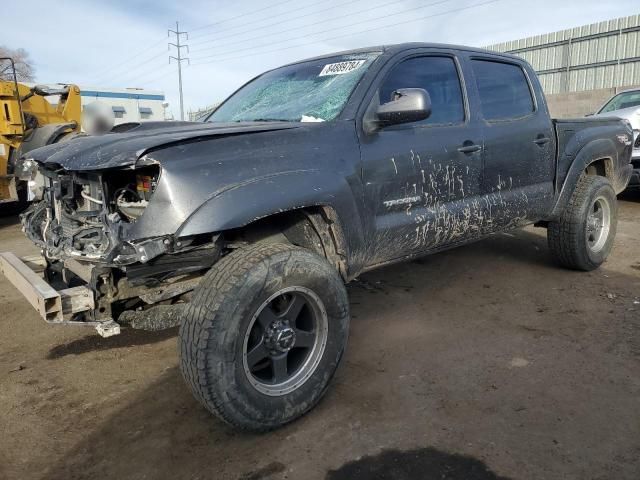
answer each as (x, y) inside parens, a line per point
(82, 225)
(83, 214)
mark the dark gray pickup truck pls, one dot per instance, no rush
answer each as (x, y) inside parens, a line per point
(243, 229)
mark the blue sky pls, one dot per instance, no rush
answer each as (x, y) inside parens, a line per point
(123, 43)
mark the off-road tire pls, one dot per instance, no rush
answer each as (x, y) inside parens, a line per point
(567, 237)
(213, 330)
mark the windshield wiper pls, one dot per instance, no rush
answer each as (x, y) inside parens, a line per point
(268, 120)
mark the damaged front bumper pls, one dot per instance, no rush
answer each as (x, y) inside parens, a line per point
(85, 226)
(98, 295)
(54, 306)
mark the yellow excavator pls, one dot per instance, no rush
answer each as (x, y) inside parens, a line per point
(28, 120)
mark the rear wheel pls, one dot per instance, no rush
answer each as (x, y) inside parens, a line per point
(583, 238)
(264, 334)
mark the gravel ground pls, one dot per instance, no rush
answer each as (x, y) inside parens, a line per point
(485, 362)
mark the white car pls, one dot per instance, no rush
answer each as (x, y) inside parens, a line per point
(627, 105)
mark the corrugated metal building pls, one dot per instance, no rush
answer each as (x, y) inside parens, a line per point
(602, 57)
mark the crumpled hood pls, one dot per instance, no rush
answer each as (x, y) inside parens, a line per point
(124, 149)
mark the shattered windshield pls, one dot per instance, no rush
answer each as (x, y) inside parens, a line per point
(314, 91)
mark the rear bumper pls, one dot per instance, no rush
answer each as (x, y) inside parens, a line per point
(634, 181)
(622, 178)
(54, 306)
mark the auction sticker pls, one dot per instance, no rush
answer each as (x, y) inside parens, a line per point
(341, 68)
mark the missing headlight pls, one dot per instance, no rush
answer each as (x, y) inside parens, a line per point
(25, 169)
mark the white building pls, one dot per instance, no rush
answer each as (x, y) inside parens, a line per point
(128, 104)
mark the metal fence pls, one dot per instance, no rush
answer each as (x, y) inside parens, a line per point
(600, 55)
(197, 115)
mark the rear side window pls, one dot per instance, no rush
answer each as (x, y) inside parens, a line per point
(436, 75)
(504, 90)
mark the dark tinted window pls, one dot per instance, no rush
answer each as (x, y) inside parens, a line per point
(439, 77)
(504, 90)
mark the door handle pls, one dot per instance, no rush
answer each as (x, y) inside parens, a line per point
(542, 140)
(469, 148)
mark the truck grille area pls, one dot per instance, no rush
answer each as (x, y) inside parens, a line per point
(72, 219)
(83, 215)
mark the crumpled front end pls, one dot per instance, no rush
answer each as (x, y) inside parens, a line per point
(84, 223)
(86, 216)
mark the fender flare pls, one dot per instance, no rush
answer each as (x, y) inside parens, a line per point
(242, 203)
(600, 149)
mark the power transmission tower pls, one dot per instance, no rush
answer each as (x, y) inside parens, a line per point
(179, 59)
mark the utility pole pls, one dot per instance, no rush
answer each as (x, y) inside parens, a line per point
(179, 59)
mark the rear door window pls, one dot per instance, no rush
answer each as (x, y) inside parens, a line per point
(504, 90)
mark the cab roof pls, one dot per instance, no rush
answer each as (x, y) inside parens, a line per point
(400, 47)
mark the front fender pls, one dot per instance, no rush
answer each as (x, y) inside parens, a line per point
(242, 203)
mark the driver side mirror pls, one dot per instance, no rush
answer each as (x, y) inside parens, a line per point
(407, 105)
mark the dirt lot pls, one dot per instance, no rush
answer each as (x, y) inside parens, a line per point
(485, 362)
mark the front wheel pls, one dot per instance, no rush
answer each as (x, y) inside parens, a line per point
(583, 237)
(264, 334)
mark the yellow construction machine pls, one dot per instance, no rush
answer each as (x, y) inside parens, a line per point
(28, 120)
